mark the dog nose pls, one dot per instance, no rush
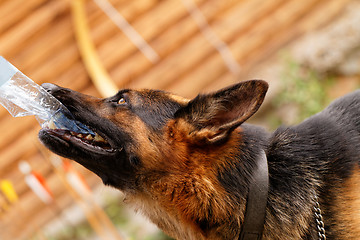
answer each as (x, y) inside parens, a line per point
(49, 87)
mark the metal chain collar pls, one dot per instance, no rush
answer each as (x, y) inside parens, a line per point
(319, 221)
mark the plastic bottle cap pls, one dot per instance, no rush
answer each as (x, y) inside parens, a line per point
(6, 70)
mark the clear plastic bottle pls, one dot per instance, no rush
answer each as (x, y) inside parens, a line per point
(22, 97)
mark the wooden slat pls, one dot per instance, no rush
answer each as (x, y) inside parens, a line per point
(214, 64)
(243, 47)
(159, 17)
(15, 10)
(165, 72)
(315, 19)
(14, 151)
(165, 44)
(11, 41)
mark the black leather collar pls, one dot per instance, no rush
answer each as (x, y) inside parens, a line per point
(257, 200)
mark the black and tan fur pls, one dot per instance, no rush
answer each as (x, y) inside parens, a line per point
(187, 164)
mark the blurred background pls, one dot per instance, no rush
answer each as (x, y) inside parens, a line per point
(308, 51)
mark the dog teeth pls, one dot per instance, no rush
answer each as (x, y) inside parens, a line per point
(98, 138)
(89, 137)
(67, 136)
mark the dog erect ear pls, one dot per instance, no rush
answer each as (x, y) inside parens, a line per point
(215, 115)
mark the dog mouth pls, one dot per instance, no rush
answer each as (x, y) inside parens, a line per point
(89, 142)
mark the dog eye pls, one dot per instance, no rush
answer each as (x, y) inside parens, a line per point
(121, 101)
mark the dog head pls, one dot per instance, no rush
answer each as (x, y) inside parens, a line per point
(143, 134)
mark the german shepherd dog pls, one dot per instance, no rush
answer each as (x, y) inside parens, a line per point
(187, 164)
